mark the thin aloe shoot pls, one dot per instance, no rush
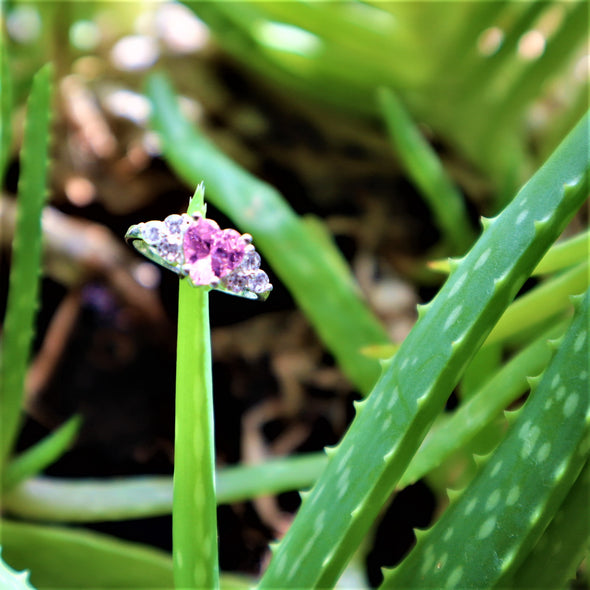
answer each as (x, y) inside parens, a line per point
(46, 498)
(26, 259)
(206, 257)
(486, 534)
(392, 422)
(426, 171)
(546, 300)
(42, 454)
(6, 100)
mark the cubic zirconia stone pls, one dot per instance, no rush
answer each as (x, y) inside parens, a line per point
(152, 232)
(170, 251)
(236, 282)
(258, 282)
(251, 261)
(175, 223)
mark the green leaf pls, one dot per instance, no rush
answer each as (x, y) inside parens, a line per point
(561, 255)
(483, 537)
(565, 253)
(562, 545)
(6, 106)
(543, 302)
(63, 558)
(60, 557)
(426, 171)
(391, 423)
(13, 580)
(44, 453)
(479, 411)
(93, 500)
(26, 258)
(194, 512)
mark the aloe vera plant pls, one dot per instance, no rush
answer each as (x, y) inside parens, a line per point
(12, 580)
(391, 423)
(485, 535)
(385, 448)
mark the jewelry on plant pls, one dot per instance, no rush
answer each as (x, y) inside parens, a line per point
(196, 248)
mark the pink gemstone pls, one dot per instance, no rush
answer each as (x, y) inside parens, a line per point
(198, 240)
(227, 251)
(201, 272)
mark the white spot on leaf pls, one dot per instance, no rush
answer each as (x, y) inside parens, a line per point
(482, 259)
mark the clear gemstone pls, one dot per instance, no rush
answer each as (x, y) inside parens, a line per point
(152, 232)
(251, 261)
(236, 282)
(175, 223)
(258, 282)
(170, 251)
(198, 240)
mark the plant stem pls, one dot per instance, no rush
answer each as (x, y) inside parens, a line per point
(194, 517)
(21, 307)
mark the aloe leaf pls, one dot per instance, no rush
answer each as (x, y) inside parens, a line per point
(426, 171)
(66, 500)
(41, 455)
(391, 423)
(563, 543)
(487, 533)
(475, 414)
(194, 514)
(561, 255)
(13, 580)
(565, 253)
(6, 105)
(329, 298)
(90, 500)
(26, 259)
(486, 71)
(525, 87)
(543, 302)
(60, 557)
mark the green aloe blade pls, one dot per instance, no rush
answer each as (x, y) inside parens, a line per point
(541, 303)
(330, 299)
(565, 253)
(391, 423)
(563, 544)
(60, 557)
(13, 580)
(26, 259)
(64, 500)
(73, 558)
(194, 513)
(91, 500)
(486, 534)
(426, 171)
(6, 92)
(41, 455)
(561, 255)
(478, 411)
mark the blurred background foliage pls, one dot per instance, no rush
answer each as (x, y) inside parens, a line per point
(500, 82)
